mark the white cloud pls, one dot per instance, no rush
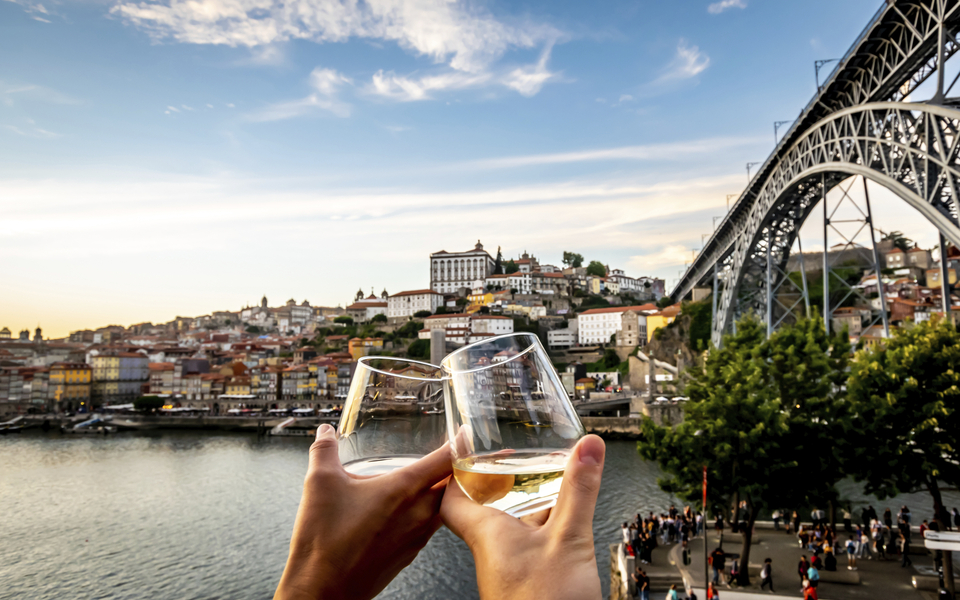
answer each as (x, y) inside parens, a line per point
(689, 62)
(718, 7)
(34, 9)
(11, 92)
(173, 109)
(327, 84)
(406, 89)
(32, 131)
(452, 32)
(530, 79)
(670, 151)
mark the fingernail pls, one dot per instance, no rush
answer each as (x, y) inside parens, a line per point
(325, 431)
(591, 452)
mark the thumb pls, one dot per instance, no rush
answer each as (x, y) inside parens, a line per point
(581, 484)
(324, 452)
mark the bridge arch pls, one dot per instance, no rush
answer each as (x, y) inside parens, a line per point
(911, 149)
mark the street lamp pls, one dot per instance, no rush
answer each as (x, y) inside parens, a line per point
(776, 126)
(715, 220)
(735, 195)
(750, 165)
(816, 67)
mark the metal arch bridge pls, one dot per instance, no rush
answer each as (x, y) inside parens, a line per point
(860, 122)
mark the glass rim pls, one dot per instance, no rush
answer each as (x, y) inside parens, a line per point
(526, 350)
(363, 361)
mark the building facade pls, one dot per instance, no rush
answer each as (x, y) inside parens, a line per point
(406, 304)
(450, 271)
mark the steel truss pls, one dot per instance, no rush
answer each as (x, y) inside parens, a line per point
(855, 125)
(911, 149)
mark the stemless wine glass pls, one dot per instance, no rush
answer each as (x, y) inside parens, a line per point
(510, 422)
(393, 415)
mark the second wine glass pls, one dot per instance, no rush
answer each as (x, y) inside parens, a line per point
(511, 423)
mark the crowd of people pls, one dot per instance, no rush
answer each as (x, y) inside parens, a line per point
(644, 534)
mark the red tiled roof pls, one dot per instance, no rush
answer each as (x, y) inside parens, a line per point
(619, 309)
(160, 366)
(415, 293)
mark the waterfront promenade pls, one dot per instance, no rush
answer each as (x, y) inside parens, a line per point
(878, 579)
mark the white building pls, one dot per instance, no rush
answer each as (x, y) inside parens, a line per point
(450, 271)
(562, 338)
(597, 325)
(491, 324)
(406, 304)
(522, 282)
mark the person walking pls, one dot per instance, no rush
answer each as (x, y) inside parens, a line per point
(905, 551)
(712, 593)
(802, 567)
(796, 522)
(718, 559)
(813, 575)
(851, 554)
(766, 575)
(888, 518)
(672, 593)
(776, 520)
(809, 591)
(847, 521)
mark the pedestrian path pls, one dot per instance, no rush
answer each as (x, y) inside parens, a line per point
(880, 579)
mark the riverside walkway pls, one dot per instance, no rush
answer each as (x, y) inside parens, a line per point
(879, 579)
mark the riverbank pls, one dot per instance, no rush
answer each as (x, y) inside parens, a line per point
(125, 422)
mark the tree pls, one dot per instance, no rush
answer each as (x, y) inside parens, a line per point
(484, 310)
(596, 269)
(148, 403)
(572, 259)
(611, 359)
(761, 417)
(419, 349)
(253, 329)
(664, 302)
(379, 318)
(701, 320)
(511, 267)
(410, 329)
(905, 399)
(899, 240)
(421, 314)
(344, 319)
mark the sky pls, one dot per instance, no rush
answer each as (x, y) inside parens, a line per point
(183, 156)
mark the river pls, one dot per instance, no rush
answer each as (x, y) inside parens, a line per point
(199, 515)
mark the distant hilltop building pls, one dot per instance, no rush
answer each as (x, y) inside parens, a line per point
(450, 271)
(4, 334)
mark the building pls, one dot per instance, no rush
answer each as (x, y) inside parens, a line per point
(519, 281)
(69, 385)
(360, 347)
(599, 325)
(633, 329)
(119, 377)
(365, 309)
(450, 271)
(491, 324)
(562, 338)
(406, 304)
(161, 378)
(658, 319)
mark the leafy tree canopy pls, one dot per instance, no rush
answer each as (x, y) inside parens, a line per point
(379, 318)
(420, 314)
(597, 269)
(762, 416)
(344, 319)
(572, 259)
(899, 240)
(511, 267)
(419, 349)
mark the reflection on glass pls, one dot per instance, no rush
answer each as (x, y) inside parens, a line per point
(393, 415)
(510, 422)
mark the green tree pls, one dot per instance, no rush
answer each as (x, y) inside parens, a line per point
(664, 302)
(344, 319)
(597, 269)
(419, 349)
(421, 314)
(762, 416)
(701, 321)
(410, 329)
(899, 240)
(511, 267)
(611, 359)
(148, 403)
(905, 399)
(379, 318)
(253, 329)
(572, 259)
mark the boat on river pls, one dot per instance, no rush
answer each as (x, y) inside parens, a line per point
(296, 428)
(14, 425)
(96, 425)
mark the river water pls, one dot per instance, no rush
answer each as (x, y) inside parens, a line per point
(189, 515)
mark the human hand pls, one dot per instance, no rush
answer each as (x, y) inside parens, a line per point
(353, 534)
(545, 555)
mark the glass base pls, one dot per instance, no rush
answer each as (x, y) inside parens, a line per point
(378, 465)
(532, 506)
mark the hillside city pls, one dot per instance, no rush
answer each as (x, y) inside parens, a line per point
(594, 320)
(302, 356)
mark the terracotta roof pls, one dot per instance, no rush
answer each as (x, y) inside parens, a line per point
(160, 366)
(552, 275)
(489, 317)
(619, 309)
(415, 293)
(915, 249)
(585, 380)
(896, 251)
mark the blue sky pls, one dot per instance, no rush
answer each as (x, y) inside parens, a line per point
(174, 158)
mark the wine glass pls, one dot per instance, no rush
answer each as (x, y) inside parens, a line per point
(510, 421)
(393, 415)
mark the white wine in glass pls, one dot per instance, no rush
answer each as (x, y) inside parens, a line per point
(510, 422)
